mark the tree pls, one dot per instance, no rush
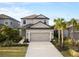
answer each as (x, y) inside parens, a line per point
(2, 36)
(60, 25)
(63, 27)
(77, 27)
(9, 35)
(57, 27)
(73, 22)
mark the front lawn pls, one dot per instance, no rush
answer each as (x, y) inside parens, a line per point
(13, 51)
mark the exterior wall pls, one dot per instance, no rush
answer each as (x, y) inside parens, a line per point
(42, 20)
(72, 34)
(65, 33)
(7, 20)
(32, 21)
(76, 35)
(1, 21)
(15, 24)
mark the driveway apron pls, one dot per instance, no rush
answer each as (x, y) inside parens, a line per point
(42, 49)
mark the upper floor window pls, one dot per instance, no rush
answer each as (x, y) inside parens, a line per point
(11, 23)
(6, 22)
(24, 22)
(45, 21)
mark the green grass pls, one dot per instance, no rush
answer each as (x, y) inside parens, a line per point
(13, 51)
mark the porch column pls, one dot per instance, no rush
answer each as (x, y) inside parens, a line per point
(26, 35)
(50, 36)
(29, 36)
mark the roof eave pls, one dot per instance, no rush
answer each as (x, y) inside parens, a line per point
(35, 18)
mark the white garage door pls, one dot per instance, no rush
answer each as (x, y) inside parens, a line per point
(40, 36)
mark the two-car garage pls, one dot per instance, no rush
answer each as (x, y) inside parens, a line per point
(39, 35)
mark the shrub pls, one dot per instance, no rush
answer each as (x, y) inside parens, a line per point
(68, 42)
(17, 39)
(2, 38)
(70, 53)
(73, 53)
(9, 36)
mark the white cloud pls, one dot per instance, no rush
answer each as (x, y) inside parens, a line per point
(16, 13)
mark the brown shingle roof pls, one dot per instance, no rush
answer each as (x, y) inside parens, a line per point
(34, 16)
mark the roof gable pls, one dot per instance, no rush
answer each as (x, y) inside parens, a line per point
(34, 16)
(41, 16)
(40, 25)
(3, 16)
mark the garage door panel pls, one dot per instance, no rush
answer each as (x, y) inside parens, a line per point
(40, 36)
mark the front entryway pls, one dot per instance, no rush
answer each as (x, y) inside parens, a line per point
(40, 36)
(42, 49)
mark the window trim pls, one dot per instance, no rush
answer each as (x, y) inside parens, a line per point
(24, 21)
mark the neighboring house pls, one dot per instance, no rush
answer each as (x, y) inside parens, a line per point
(36, 28)
(69, 32)
(9, 21)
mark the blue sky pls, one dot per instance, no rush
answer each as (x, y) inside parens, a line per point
(50, 9)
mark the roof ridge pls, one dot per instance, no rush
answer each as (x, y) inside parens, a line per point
(34, 16)
(29, 16)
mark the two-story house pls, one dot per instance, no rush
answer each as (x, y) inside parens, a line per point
(9, 21)
(36, 28)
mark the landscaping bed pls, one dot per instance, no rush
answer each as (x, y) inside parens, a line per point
(70, 53)
(70, 48)
(13, 51)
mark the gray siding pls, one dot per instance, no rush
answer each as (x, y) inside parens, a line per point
(72, 34)
(14, 24)
(11, 23)
(33, 21)
(1, 21)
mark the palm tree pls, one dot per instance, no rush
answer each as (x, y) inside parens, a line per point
(73, 22)
(77, 27)
(57, 22)
(63, 27)
(60, 25)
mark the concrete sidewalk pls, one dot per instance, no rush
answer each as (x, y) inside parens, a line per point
(42, 49)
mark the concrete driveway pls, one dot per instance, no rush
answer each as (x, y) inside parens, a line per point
(42, 49)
